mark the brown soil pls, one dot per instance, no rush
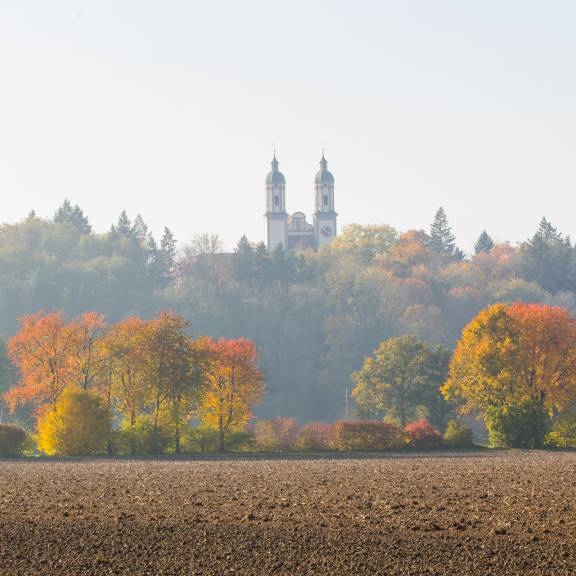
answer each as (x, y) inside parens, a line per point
(507, 513)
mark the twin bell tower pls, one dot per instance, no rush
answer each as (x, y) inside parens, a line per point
(293, 232)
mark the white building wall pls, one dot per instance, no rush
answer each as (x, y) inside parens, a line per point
(276, 231)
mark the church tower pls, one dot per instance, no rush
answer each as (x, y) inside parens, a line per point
(324, 215)
(276, 216)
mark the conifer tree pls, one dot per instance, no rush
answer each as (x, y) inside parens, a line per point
(168, 249)
(549, 259)
(72, 215)
(442, 240)
(124, 226)
(140, 229)
(244, 259)
(484, 243)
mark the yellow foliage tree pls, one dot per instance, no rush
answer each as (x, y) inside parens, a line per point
(233, 385)
(515, 353)
(80, 425)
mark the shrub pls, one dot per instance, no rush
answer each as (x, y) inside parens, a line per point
(240, 441)
(277, 434)
(422, 435)
(265, 436)
(141, 438)
(199, 439)
(563, 434)
(522, 425)
(315, 436)
(12, 440)
(367, 435)
(202, 439)
(458, 435)
(80, 425)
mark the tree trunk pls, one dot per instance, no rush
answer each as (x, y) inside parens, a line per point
(221, 447)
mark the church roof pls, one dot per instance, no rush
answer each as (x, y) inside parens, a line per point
(323, 176)
(275, 176)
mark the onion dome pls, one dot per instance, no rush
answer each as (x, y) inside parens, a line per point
(323, 176)
(275, 176)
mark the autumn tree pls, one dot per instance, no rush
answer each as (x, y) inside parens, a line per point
(80, 425)
(87, 352)
(174, 370)
(403, 374)
(126, 344)
(514, 355)
(234, 384)
(42, 352)
(410, 253)
(365, 240)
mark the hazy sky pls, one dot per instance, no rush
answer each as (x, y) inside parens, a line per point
(171, 109)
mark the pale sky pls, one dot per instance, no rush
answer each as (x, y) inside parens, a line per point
(171, 109)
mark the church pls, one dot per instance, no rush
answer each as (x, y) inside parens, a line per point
(292, 231)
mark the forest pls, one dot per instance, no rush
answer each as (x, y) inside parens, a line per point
(314, 317)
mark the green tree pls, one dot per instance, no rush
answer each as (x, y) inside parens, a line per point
(484, 243)
(520, 425)
(442, 240)
(140, 229)
(548, 258)
(72, 215)
(165, 257)
(124, 226)
(402, 375)
(244, 260)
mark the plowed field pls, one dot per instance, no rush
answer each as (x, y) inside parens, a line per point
(503, 513)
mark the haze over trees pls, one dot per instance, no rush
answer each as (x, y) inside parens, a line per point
(313, 317)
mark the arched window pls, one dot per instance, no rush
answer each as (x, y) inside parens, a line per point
(276, 201)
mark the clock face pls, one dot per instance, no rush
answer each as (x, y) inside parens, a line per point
(326, 231)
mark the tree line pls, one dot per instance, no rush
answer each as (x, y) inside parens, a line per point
(514, 368)
(334, 306)
(142, 386)
(148, 379)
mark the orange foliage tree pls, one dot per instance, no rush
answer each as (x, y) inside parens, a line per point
(234, 384)
(515, 353)
(42, 352)
(88, 353)
(126, 347)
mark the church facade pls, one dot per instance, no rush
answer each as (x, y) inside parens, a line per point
(292, 231)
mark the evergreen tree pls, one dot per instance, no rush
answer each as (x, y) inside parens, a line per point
(153, 264)
(139, 229)
(281, 265)
(168, 248)
(124, 226)
(548, 258)
(458, 254)
(547, 232)
(167, 256)
(484, 243)
(244, 260)
(72, 215)
(261, 264)
(442, 240)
